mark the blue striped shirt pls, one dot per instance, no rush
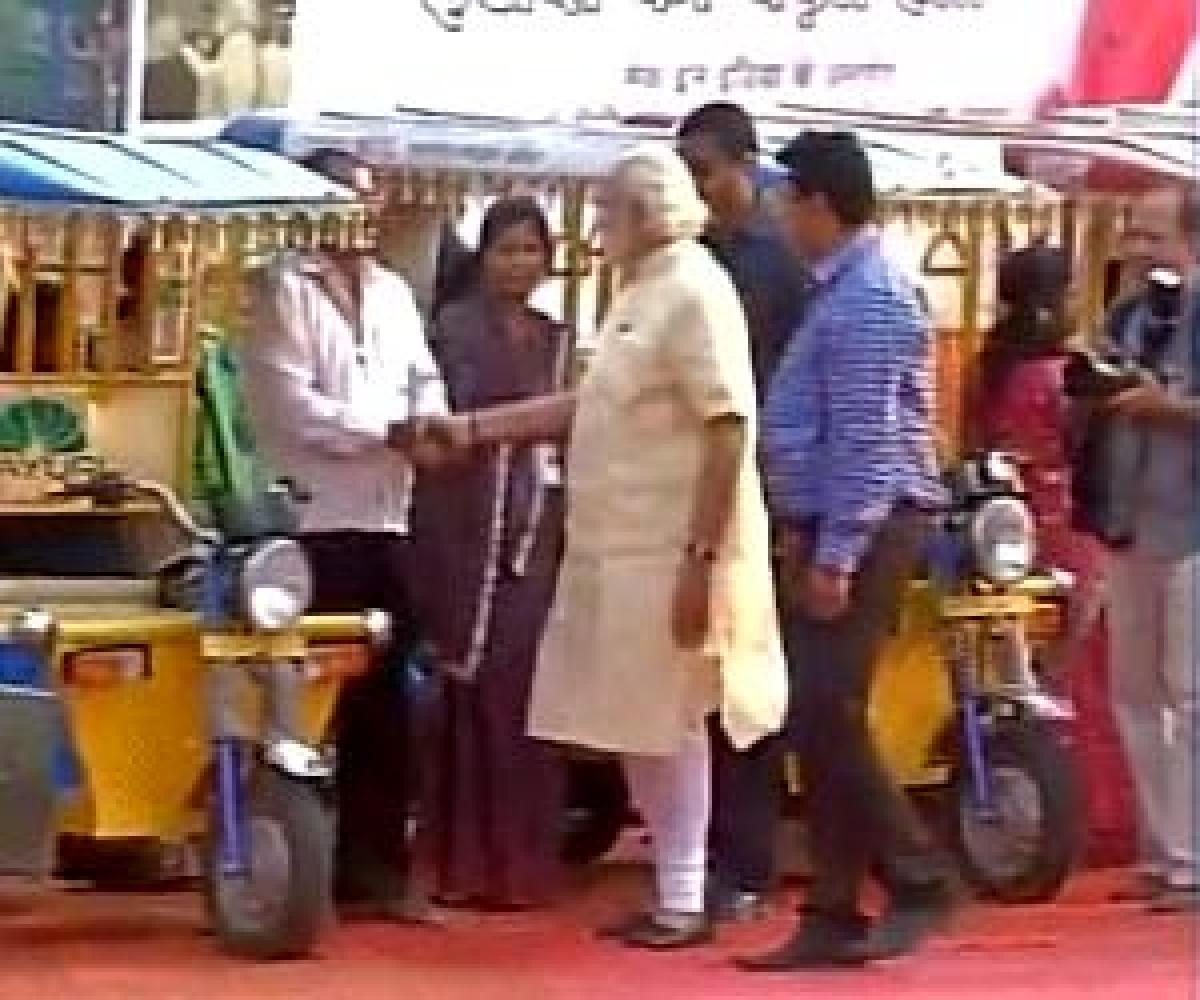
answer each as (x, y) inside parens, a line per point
(848, 429)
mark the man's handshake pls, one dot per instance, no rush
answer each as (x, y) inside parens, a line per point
(433, 440)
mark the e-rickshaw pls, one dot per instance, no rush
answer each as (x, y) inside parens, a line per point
(959, 710)
(161, 685)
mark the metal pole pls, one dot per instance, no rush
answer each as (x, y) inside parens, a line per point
(114, 42)
(135, 65)
(57, 110)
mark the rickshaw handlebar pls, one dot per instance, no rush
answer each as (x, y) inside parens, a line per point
(175, 509)
(113, 490)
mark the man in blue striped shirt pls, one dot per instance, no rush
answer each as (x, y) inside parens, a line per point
(851, 471)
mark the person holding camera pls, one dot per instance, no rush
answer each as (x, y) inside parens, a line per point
(1153, 581)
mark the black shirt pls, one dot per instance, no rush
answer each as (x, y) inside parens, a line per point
(772, 285)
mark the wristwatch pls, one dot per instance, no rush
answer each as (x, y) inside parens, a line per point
(701, 553)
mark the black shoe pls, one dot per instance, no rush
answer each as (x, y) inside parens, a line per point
(1146, 887)
(618, 930)
(910, 918)
(663, 931)
(820, 942)
(365, 884)
(1176, 899)
(411, 908)
(737, 906)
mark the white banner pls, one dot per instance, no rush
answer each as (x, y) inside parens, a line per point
(562, 57)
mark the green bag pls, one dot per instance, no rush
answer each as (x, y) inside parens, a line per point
(228, 470)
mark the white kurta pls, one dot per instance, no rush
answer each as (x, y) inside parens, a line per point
(673, 354)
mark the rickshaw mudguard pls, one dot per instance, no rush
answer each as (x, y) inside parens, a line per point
(143, 743)
(911, 700)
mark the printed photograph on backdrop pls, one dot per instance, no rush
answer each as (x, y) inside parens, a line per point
(64, 64)
(213, 58)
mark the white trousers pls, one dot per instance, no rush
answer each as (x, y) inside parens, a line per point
(673, 795)
(1153, 620)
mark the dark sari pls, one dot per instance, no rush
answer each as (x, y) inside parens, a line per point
(491, 533)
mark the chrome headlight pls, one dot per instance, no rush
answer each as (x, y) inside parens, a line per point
(378, 626)
(33, 627)
(1003, 540)
(276, 585)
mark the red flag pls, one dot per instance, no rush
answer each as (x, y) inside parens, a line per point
(1130, 51)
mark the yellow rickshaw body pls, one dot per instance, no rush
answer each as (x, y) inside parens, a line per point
(142, 743)
(911, 701)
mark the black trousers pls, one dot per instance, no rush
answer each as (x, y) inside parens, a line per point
(378, 776)
(745, 811)
(859, 820)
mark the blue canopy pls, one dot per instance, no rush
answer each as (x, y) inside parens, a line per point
(54, 168)
(438, 142)
(426, 141)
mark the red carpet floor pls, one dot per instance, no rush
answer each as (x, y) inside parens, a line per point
(85, 946)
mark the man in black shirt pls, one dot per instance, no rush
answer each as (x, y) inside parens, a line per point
(720, 145)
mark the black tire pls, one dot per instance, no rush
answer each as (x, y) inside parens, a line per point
(597, 810)
(291, 835)
(1033, 770)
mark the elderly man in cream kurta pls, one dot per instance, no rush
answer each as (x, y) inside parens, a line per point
(665, 611)
(611, 674)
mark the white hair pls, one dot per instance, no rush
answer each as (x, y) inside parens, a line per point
(660, 181)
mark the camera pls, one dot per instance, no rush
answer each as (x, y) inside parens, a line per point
(1164, 307)
(1091, 376)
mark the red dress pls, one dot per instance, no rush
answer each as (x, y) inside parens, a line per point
(1027, 415)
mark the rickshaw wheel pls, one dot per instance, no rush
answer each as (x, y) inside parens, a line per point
(1026, 852)
(278, 910)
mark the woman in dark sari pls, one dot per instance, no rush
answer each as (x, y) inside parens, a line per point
(492, 531)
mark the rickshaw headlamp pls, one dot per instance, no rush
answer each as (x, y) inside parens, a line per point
(378, 627)
(1003, 540)
(33, 627)
(276, 585)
